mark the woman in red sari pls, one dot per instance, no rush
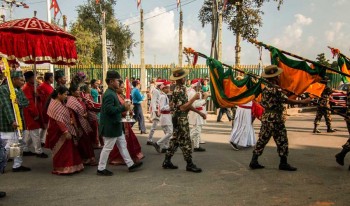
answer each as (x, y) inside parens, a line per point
(78, 109)
(65, 154)
(133, 144)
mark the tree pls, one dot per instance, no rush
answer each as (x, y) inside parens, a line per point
(242, 16)
(89, 26)
(322, 60)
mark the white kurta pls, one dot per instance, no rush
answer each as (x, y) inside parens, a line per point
(165, 119)
(194, 118)
(154, 103)
(243, 131)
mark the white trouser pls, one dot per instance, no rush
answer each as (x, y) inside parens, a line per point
(32, 136)
(155, 122)
(196, 135)
(43, 133)
(107, 148)
(8, 138)
(164, 141)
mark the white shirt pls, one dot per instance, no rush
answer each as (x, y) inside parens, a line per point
(165, 119)
(154, 100)
(193, 117)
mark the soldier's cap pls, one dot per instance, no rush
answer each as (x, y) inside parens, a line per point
(16, 74)
(271, 71)
(178, 73)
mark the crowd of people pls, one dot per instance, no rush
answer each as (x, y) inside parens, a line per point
(74, 119)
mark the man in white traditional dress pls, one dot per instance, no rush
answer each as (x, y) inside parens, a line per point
(154, 110)
(165, 108)
(195, 119)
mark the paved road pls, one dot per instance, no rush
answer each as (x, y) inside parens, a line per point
(226, 179)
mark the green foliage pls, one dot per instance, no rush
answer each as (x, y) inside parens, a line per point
(322, 60)
(242, 16)
(87, 30)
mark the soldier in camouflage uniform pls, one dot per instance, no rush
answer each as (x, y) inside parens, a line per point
(323, 108)
(181, 134)
(272, 122)
(346, 147)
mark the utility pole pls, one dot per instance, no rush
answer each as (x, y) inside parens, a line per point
(214, 26)
(238, 34)
(66, 68)
(143, 76)
(48, 6)
(180, 37)
(220, 37)
(10, 4)
(104, 50)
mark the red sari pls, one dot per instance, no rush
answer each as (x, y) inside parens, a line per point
(86, 150)
(65, 155)
(132, 143)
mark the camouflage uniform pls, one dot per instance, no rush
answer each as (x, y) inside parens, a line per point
(272, 122)
(321, 109)
(181, 133)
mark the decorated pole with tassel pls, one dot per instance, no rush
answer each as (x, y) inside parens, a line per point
(299, 57)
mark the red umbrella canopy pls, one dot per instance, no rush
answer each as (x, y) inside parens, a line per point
(32, 40)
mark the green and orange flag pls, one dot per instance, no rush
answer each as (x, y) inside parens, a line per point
(344, 65)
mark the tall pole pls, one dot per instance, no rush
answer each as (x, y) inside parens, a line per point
(220, 37)
(104, 50)
(180, 38)
(66, 68)
(238, 35)
(214, 26)
(143, 76)
(48, 5)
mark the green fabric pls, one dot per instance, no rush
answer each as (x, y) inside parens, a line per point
(111, 115)
(94, 94)
(276, 56)
(252, 87)
(205, 88)
(341, 61)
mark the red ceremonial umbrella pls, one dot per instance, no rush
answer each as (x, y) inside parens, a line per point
(34, 41)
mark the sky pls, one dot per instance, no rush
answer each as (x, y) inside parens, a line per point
(301, 27)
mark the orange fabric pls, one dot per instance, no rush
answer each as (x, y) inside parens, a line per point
(294, 80)
(345, 70)
(316, 89)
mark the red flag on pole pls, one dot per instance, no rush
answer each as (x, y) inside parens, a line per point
(55, 7)
(138, 3)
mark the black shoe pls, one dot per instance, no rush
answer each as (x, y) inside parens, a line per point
(287, 167)
(339, 158)
(42, 144)
(42, 155)
(21, 169)
(144, 132)
(193, 168)
(135, 166)
(164, 150)
(255, 165)
(28, 153)
(219, 121)
(149, 143)
(330, 130)
(169, 165)
(199, 149)
(10, 160)
(317, 131)
(2, 194)
(234, 146)
(156, 146)
(104, 172)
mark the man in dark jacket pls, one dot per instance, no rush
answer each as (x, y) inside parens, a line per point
(111, 128)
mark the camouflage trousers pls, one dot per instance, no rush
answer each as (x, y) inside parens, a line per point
(279, 133)
(327, 116)
(181, 138)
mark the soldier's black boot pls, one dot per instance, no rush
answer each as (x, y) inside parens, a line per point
(192, 167)
(285, 166)
(167, 163)
(330, 129)
(316, 130)
(339, 158)
(254, 164)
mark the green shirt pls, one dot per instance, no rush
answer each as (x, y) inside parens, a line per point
(94, 94)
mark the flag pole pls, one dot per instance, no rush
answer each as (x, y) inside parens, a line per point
(299, 57)
(273, 85)
(48, 6)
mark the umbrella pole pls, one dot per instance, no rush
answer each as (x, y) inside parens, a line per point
(35, 85)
